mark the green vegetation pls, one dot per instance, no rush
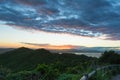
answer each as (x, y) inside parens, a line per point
(41, 64)
(108, 57)
(27, 59)
(106, 74)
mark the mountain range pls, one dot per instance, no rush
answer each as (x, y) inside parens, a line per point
(80, 50)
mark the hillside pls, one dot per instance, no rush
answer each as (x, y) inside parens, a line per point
(3, 50)
(41, 64)
(27, 59)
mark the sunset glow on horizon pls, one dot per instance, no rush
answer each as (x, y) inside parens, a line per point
(15, 38)
(60, 24)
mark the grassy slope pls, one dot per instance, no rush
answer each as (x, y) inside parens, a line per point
(26, 59)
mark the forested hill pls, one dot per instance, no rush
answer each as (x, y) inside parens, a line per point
(27, 59)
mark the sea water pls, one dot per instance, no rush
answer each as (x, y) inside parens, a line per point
(89, 54)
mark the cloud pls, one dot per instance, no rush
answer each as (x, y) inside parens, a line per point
(49, 46)
(31, 2)
(80, 17)
(72, 47)
(35, 44)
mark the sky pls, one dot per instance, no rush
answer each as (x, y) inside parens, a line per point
(60, 24)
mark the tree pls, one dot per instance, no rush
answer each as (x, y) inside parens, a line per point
(110, 57)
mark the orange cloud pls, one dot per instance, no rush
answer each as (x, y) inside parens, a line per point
(48, 46)
(58, 47)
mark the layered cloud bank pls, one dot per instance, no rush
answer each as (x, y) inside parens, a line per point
(89, 18)
(73, 48)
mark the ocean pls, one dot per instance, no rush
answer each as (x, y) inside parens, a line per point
(90, 54)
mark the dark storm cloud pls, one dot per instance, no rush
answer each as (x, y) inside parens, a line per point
(91, 18)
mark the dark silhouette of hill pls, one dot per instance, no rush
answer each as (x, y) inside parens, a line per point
(3, 50)
(42, 50)
(21, 49)
(27, 59)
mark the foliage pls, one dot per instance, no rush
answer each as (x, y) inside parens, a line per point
(106, 74)
(110, 57)
(101, 76)
(69, 77)
(41, 64)
(4, 72)
(25, 59)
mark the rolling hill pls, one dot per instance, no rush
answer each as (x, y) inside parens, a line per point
(27, 59)
(3, 50)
